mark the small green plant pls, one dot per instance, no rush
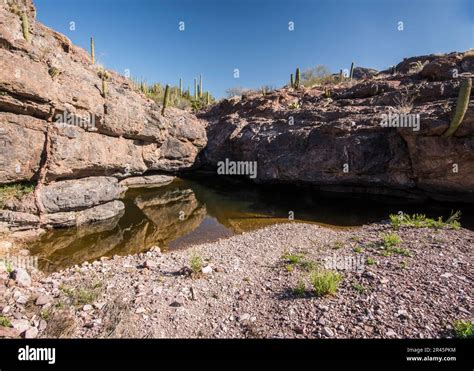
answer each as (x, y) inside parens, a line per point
(358, 287)
(293, 258)
(403, 264)
(325, 282)
(371, 261)
(83, 295)
(196, 263)
(298, 260)
(25, 26)
(358, 249)
(300, 289)
(421, 221)
(294, 105)
(5, 322)
(461, 107)
(338, 245)
(46, 314)
(9, 267)
(463, 329)
(53, 72)
(18, 190)
(390, 240)
(165, 100)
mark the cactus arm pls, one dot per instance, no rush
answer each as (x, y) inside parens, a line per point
(461, 107)
(352, 70)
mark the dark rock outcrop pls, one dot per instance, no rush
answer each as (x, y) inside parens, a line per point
(338, 143)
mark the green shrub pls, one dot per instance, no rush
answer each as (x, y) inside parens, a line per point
(463, 329)
(325, 282)
(18, 190)
(421, 221)
(5, 322)
(196, 263)
(300, 289)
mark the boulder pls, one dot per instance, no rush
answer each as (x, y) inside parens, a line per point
(96, 214)
(74, 195)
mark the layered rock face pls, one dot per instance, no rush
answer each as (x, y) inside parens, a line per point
(57, 125)
(334, 138)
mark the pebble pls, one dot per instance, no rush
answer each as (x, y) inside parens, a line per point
(31, 333)
(42, 300)
(207, 269)
(20, 324)
(87, 308)
(328, 332)
(391, 334)
(244, 317)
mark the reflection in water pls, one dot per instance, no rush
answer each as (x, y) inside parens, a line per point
(187, 212)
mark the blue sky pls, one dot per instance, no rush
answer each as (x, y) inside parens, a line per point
(253, 36)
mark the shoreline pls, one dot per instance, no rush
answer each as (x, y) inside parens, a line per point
(249, 285)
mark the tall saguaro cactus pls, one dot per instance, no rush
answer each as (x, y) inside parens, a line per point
(180, 87)
(352, 70)
(292, 81)
(165, 99)
(200, 86)
(195, 89)
(25, 26)
(461, 107)
(92, 51)
(298, 78)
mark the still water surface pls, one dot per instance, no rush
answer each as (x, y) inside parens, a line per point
(188, 212)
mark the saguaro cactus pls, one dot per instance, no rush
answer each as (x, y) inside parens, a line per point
(352, 70)
(92, 50)
(298, 78)
(180, 87)
(208, 98)
(292, 81)
(195, 89)
(25, 26)
(461, 107)
(104, 75)
(165, 99)
(200, 86)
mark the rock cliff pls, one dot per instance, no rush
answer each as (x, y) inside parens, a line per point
(57, 125)
(332, 136)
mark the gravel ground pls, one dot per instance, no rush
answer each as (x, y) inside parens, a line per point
(247, 289)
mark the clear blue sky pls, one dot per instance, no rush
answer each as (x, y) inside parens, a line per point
(253, 35)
